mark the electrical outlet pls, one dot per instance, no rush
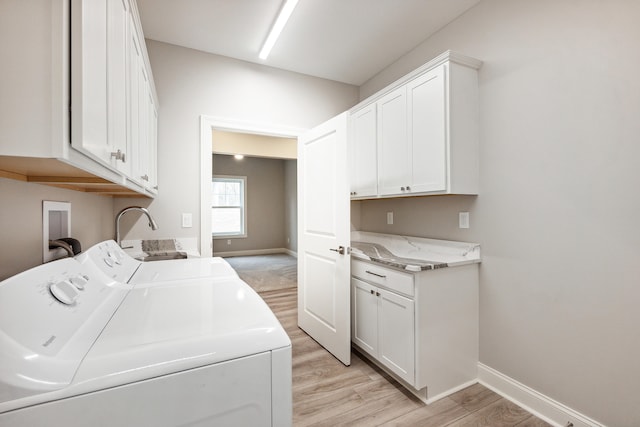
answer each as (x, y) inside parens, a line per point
(463, 219)
(229, 242)
(187, 220)
(390, 218)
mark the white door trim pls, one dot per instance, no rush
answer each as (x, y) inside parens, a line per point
(207, 125)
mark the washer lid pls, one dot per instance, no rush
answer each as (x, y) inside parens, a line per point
(182, 269)
(171, 327)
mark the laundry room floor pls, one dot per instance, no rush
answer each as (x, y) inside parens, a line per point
(327, 393)
(266, 272)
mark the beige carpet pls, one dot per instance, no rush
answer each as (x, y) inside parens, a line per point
(267, 272)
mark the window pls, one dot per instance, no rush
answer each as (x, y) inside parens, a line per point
(228, 206)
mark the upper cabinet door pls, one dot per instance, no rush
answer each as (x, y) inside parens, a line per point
(427, 106)
(89, 79)
(394, 152)
(117, 39)
(363, 152)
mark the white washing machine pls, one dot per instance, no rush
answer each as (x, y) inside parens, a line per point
(117, 264)
(82, 347)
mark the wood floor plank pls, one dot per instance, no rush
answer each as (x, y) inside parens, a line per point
(533, 421)
(374, 412)
(438, 414)
(501, 413)
(475, 397)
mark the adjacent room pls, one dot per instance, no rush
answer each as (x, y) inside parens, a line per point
(254, 207)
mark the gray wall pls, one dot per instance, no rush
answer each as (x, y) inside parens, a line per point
(558, 207)
(266, 218)
(192, 83)
(92, 221)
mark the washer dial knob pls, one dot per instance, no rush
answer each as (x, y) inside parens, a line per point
(79, 281)
(64, 292)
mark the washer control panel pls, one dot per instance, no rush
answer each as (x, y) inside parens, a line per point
(43, 308)
(50, 316)
(111, 260)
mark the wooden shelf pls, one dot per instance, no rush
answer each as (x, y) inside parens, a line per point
(56, 173)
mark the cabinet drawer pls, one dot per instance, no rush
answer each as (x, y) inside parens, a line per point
(390, 279)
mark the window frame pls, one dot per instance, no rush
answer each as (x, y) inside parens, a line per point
(243, 207)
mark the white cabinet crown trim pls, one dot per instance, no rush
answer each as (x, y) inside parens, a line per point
(447, 56)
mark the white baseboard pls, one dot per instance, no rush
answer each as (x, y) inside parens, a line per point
(256, 252)
(544, 407)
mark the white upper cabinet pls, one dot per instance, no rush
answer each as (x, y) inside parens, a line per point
(363, 152)
(427, 130)
(69, 116)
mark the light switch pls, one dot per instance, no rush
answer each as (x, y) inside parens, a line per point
(463, 219)
(390, 218)
(187, 220)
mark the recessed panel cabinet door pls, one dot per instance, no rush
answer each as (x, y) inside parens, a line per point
(324, 236)
(89, 70)
(364, 326)
(394, 152)
(427, 131)
(396, 341)
(363, 151)
(117, 38)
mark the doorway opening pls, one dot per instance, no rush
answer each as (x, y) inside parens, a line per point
(225, 138)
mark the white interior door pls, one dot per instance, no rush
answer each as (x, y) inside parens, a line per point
(323, 228)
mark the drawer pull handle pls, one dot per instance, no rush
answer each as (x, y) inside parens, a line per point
(375, 274)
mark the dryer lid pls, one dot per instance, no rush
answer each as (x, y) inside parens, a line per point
(167, 328)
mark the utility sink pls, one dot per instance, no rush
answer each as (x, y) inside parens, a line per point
(163, 257)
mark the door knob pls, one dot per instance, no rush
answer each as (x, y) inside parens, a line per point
(340, 250)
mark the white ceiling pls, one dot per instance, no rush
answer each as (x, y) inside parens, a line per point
(348, 41)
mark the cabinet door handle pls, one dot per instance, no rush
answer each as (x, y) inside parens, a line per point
(401, 188)
(372, 292)
(408, 188)
(375, 274)
(377, 294)
(145, 177)
(119, 155)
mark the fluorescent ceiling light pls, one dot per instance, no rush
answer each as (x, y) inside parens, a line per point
(283, 17)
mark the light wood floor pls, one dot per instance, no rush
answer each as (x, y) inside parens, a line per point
(327, 393)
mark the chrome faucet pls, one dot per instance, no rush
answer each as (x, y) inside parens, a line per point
(145, 211)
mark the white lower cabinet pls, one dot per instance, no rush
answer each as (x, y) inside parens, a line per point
(383, 326)
(422, 327)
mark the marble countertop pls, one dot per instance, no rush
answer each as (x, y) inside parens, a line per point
(412, 253)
